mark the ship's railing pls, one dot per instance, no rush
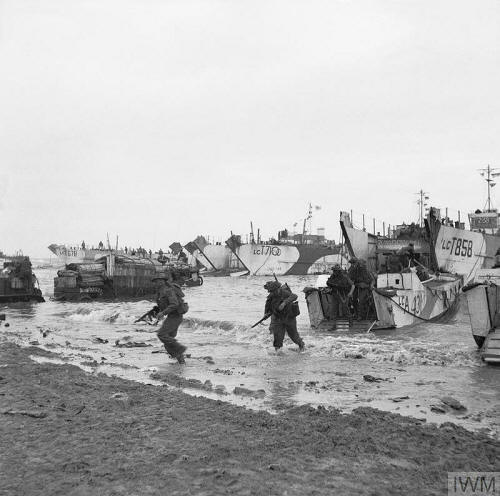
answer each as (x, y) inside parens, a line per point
(371, 225)
(451, 217)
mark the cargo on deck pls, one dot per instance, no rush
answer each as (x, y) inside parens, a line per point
(115, 276)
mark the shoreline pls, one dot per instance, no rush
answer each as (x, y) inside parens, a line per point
(66, 431)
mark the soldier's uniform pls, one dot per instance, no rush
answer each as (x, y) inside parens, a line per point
(282, 321)
(170, 302)
(363, 282)
(340, 285)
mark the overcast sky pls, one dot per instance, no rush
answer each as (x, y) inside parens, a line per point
(159, 120)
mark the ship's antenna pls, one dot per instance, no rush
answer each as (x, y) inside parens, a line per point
(490, 174)
(422, 206)
(308, 218)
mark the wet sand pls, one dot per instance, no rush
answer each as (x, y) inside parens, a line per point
(68, 432)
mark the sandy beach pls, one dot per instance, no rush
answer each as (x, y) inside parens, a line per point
(68, 432)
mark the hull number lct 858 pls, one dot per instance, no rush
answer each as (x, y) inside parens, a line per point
(458, 247)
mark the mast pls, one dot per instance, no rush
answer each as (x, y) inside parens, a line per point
(308, 218)
(422, 206)
(490, 174)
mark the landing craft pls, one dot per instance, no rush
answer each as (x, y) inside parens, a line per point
(118, 276)
(290, 254)
(216, 259)
(77, 254)
(17, 280)
(476, 254)
(483, 301)
(465, 251)
(407, 291)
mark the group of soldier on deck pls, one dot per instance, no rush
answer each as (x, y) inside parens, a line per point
(350, 292)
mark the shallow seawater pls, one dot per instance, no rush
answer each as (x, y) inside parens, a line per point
(414, 367)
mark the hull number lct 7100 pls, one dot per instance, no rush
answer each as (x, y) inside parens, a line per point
(267, 250)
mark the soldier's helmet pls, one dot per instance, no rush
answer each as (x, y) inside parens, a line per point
(272, 285)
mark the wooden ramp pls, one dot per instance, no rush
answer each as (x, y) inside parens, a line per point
(353, 325)
(491, 348)
(342, 325)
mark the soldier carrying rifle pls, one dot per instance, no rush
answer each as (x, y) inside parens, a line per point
(282, 307)
(170, 302)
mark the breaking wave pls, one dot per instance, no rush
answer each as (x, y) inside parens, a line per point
(397, 352)
(369, 347)
(204, 324)
(105, 315)
(239, 333)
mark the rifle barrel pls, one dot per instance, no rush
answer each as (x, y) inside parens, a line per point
(260, 321)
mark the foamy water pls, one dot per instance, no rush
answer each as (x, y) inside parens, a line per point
(424, 363)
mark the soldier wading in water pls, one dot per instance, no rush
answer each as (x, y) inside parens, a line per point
(170, 303)
(281, 306)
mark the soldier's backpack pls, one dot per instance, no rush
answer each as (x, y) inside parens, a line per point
(183, 307)
(294, 309)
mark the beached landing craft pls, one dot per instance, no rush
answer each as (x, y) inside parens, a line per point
(78, 254)
(403, 299)
(17, 280)
(291, 254)
(463, 251)
(320, 299)
(216, 258)
(297, 258)
(115, 276)
(82, 254)
(400, 299)
(483, 301)
(405, 293)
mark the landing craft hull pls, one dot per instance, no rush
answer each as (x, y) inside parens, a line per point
(483, 302)
(427, 302)
(479, 312)
(217, 257)
(69, 255)
(421, 302)
(117, 276)
(286, 260)
(463, 252)
(369, 247)
(17, 281)
(319, 299)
